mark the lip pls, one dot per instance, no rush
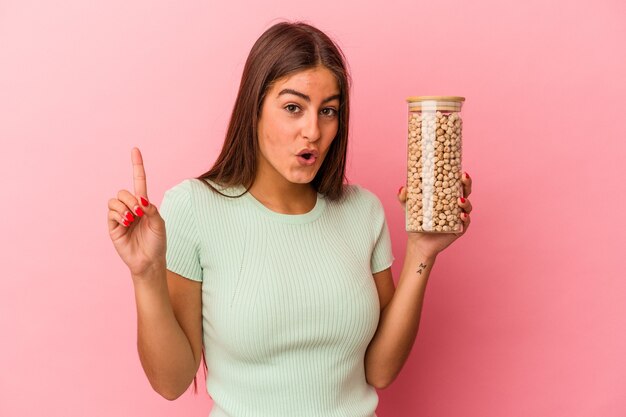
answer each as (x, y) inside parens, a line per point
(306, 162)
(312, 151)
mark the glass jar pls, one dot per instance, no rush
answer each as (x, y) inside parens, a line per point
(434, 164)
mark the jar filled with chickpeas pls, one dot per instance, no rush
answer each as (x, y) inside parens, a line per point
(434, 164)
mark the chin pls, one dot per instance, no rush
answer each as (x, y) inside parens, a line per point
(302, 179)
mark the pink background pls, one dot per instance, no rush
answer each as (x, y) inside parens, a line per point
(525, 315)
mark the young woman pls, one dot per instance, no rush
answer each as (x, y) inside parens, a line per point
(274, 268)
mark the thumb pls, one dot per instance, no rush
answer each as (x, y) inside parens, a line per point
(146, 206)
(153, 218)
(402, 196)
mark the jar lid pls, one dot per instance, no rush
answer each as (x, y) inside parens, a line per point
(433, 103)
(436, 98)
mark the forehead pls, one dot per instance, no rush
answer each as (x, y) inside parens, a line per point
(309, 80)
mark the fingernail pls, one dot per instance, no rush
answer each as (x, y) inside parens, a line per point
(126, 223)
(400, 190)
(139, 211)
(462, 200)
(144, 202)
(466, 176)
(129, 216)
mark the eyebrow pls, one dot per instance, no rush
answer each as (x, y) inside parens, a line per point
(305, 97)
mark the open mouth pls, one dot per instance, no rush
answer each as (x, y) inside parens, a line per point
(307, 159)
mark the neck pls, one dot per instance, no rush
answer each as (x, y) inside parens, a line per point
(283, 196)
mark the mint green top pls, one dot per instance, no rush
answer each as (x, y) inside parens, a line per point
(289, 304)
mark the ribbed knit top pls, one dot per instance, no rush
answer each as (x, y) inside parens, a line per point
(289, 304)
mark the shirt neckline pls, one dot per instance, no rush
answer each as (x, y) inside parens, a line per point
(315, 213)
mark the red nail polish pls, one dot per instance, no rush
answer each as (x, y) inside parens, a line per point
(462, 200)
(129, 216)
(126, 223)
(144, 202)
(467, 175)
(139, 211)
(400, 190)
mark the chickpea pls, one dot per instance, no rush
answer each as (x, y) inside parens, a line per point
(434, 172)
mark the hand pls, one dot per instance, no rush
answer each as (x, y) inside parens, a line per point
(139, 239)
(430, 244)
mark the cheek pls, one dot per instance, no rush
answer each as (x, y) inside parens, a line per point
(277, 142)
(330, 134)
(279, 137)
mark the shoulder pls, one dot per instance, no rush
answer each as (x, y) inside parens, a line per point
(195, 188)
(356, 194)
(181, 187)
(190, 185)
(177, 194)
(181, 195)
(359, 200)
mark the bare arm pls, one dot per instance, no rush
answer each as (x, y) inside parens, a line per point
(169, 329)
(169, 311)
(399, 320)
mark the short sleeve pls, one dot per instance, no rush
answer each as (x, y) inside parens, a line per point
(183, 249)
(382, 255)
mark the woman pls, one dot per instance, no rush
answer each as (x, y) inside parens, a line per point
(276, 270)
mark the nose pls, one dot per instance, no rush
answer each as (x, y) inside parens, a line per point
(311, 130)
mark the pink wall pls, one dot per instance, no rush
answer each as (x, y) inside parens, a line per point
(524, 315)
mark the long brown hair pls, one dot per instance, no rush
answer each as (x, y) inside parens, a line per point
(283, 49)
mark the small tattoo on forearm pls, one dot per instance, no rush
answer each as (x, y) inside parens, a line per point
(421, 268)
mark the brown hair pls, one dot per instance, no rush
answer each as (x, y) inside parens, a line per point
(283, 49)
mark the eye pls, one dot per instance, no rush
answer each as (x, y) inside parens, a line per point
(331, 113)
(291, 108)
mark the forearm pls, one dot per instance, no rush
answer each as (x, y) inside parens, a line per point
(399, 321)
(164, 350)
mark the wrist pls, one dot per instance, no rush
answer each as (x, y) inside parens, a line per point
(152, 273)
(417, 264)
(417, 254)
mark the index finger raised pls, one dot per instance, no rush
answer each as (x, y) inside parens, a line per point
(139, 174)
